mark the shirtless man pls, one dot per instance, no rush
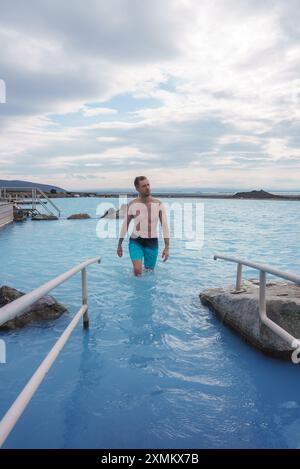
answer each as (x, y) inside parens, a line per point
(145, 210)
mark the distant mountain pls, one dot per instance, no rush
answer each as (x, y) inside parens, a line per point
(17, 183)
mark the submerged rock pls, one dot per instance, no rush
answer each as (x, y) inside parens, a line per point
(78, 216)
(45, 308)
(43, 216)
(240, 311)
(115, 214)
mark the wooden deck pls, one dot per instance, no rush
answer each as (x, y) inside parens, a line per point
(6, 213)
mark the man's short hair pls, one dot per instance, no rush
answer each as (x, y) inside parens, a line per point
(138, 179)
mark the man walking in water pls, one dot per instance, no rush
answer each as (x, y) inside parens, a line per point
(145, 210)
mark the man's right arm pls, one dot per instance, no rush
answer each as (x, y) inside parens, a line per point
(124, 228)
(123, 231)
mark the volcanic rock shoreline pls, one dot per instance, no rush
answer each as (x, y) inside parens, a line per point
(239, 310)
(255, 194)
(45, 308)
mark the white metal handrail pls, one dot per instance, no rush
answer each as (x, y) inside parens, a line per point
(34, 197)
(49, 200)
(14, 309)
(263, 270)
(17, 307)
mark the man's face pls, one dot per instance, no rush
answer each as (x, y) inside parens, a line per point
(144, 187)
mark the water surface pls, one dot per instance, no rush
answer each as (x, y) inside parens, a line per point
(156, 369)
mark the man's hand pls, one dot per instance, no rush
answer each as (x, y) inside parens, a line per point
(120, 250)
(165, 254)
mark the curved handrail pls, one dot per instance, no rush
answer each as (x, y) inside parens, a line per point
(14, 309)
(263, 269)
(17, 307)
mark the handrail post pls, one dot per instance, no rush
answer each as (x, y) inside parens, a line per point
(262, 293)
(238, 277)
(84, 298)
(33, 197)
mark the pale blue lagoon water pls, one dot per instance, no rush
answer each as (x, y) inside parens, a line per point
(156, 369)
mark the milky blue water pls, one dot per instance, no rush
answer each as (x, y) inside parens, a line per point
(156, 368)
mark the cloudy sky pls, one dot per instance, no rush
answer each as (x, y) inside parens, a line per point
(190, 93)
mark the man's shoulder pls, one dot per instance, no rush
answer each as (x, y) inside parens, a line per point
(134, 201)
(133, 206)
(160, 203)
(156, 201)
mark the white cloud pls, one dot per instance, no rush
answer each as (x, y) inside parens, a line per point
(107, 139)
(97, 111)
(195, 85)
(279, 149)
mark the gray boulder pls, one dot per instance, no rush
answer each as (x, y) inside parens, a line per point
(113, 214)
(45, 308)
(43, 216)
(239, 310)
(79, 216)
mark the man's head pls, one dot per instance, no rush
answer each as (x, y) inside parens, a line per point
(142, 185)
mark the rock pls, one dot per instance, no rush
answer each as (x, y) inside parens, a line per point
(256, 195)
(121, 212)
(20, 214)
(78, 216)
(42, 216)
(45, 308)
(239, 310)
(111, 213)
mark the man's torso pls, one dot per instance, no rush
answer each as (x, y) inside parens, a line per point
(146, 216)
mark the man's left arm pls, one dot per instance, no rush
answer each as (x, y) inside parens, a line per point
(165, 229)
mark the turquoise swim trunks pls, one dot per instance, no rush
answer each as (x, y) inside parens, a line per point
(146, 248)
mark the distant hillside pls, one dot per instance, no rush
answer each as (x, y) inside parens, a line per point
(17, 183)
(256, 195)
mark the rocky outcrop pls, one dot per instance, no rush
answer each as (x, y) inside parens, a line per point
(79, 216)
(239, 310)
(115, 214)
(256, 195)
(42, 216)
(20, 214)
(45, 308)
